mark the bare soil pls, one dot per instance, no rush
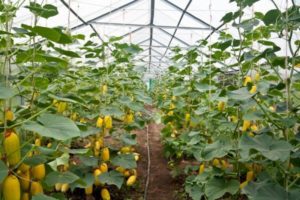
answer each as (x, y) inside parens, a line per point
(161, 185)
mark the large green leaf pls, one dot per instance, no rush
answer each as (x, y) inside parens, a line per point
(217, 149)
(217, 187)
(112, 178)
(141, 96)
(128, 139)
(126, 161)
(194, 191)
(60, 177)
(272, 16)
(203, 87)
(3, 171)
(67, 52)
(271, 148)
(265, 190)
(240, 94)
(45, 11)
(112, 110)
(5, 92)
(53, 126)
(48, 33)
(180, 90)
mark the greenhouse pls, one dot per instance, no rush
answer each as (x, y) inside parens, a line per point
(150, 100)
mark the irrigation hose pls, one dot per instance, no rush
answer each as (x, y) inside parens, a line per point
(149, 163)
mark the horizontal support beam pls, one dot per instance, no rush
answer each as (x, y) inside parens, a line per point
(106, 14)
(151, 26)
(190, 15)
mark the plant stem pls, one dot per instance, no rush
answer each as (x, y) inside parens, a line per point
(30, 118)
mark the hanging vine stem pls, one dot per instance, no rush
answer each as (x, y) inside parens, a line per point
(210, 58)
(6, 65)
(288, 79)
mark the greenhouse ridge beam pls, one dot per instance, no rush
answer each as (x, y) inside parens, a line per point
(189, 14)
(135, 30)
(152, 7)
(151, 26)
(106, 14)
(178, 24)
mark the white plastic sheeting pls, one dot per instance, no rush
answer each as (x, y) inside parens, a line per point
(131, 19)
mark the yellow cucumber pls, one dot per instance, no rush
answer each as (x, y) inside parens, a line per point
(11, 145)
(11, 188)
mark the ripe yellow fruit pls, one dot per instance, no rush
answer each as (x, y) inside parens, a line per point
(24, 168)
(11, 145)
(251, 134)
(103, 167)
(272, 108)
(120, 169)
(9, 115)
(36, 188)
(58, 187)
(216, 162)
(104, 89)
(170, 113)
(243, 184)
(246, 125)
(74, 116)
(136, 156)
(131, 180)
(11, 188)
(83, 120)
(234, 119)
(97, 173)
(126, 149)
(99, 122)
(25, 196)
(105, 154)
(133, 172)
(37, 142)
(25, 181)
(96, 152)
(221, 106)
(89, 190)
(187, 118)
(108, 122)
(254, 127)
(105, 194)
(257, 76)
(126, 173)
(129, 118)
(38, 172)
(201, 169)
(253, 89)
(249, 176)
(97, 145)
(173, 98)
(224, 164)
(65, 187)
(247, 80)
(172, 106)
(62, 106)
(49, 145)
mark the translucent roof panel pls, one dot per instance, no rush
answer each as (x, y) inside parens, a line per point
(132, 19)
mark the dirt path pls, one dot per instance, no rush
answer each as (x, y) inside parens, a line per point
(161, 185)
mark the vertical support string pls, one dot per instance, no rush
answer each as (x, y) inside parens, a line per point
(210, 55)
(69, 16)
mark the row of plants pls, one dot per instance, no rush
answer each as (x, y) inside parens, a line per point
(68, 116)
(231, 115)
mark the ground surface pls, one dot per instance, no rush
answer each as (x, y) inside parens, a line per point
(161, 184)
